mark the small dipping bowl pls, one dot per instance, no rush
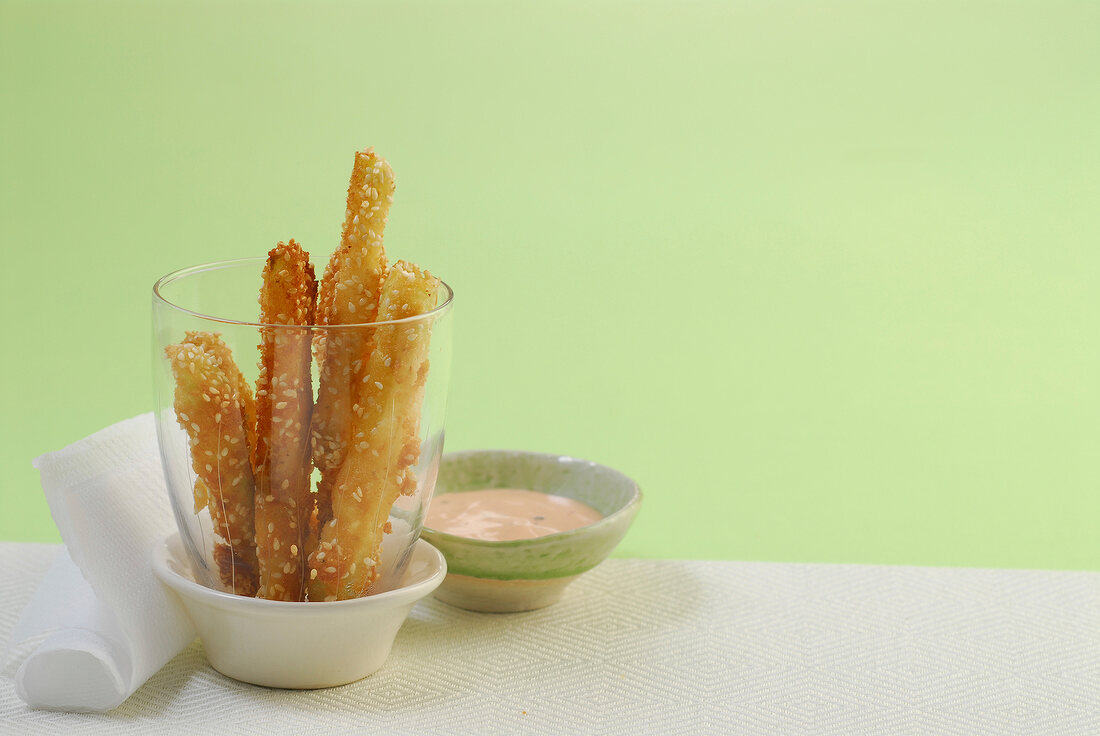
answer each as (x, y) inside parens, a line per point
(526, 574)
(297, 645)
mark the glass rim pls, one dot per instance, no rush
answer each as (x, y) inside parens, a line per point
(181, 273)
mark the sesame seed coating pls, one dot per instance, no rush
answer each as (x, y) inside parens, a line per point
(214, 345)
(379, 468)
(210, 406)
(355, 272)
(281, 455)
(253, 448)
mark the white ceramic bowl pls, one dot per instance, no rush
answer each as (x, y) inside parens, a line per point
(297, 645)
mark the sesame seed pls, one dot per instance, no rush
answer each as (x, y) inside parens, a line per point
(313, 574)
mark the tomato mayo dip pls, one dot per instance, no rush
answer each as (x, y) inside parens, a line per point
(507, 514)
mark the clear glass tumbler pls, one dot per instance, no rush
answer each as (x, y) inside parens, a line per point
(206, 360)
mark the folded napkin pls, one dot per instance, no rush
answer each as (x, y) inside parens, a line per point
(100, 623)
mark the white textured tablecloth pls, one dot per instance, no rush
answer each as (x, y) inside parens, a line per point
(642, 646)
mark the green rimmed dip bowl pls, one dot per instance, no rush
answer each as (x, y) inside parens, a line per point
(526, 574)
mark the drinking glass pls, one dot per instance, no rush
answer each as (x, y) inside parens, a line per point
(222, 299)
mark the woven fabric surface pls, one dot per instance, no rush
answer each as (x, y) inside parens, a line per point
(646, 646)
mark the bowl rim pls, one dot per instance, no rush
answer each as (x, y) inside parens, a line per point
(188, 588)
(181, 273)
(628, 509)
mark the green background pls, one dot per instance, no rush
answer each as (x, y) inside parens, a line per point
(821, 276)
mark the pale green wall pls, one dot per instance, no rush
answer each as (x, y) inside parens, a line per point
(822, 276)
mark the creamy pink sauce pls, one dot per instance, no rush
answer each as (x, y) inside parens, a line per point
(505, 514)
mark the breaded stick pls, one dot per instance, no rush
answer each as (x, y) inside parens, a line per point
(284, 401)
(213, 344)
(349, 295)
(385, 437)
(208, 406)
(370, 194)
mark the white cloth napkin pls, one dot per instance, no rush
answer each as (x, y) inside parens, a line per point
(100, 623)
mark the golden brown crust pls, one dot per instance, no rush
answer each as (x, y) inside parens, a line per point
(202, 495)
(253, 457)
(325, 290)
(385, 440)
(348, 295)
(284, 401)
(208, 406)
(213, 344)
